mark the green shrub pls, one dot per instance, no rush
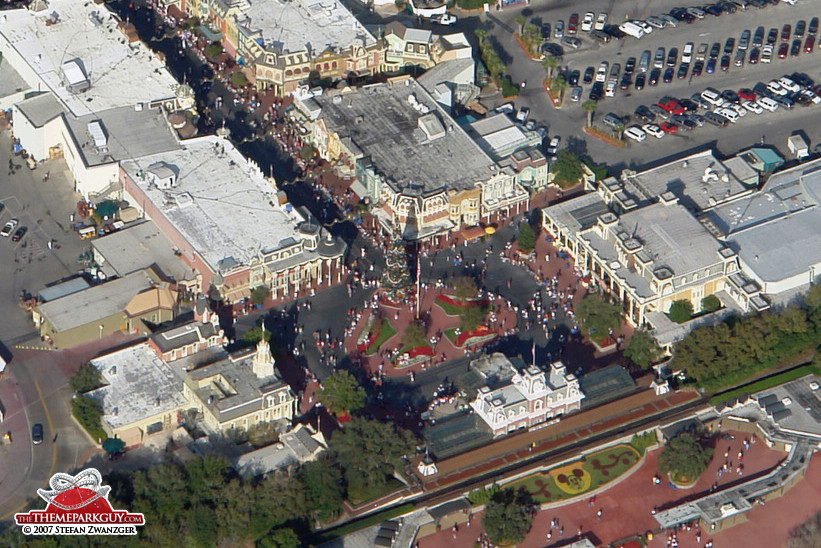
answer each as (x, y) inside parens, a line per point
(644, 440)
(480, 497)
(508, 88)
(470, 4)
(680, 311)
(89, 413)
(710, 303)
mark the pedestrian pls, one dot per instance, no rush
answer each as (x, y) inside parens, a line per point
(598, 514)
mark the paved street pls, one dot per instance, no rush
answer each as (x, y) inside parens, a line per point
(570, 117)
(43, 207)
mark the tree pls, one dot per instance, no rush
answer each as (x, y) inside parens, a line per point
(806, 535)
(619, 129)
(259, 294)
(239, 79)
(684, 458)
(507, 518)
(710, 303)
(590, 107)
(89, 414)
(550, 64)
(213, 50)
(471, 318)
(464, 288)
(521, 20)
(86, 379)
(642, 349)
(481, 35)
(369, 451)
(680, 311)
(255, 334)
(526, 239)
(323, 489)
(342, 392)
(567, 168)
(597, 316)
(414, 335)
(559, 85)
(281, 538)
(306, 152)
(396, 278)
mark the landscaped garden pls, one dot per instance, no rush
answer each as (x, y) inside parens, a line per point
(378, 335)
(456, 307)
(581, 476)
(478, 334)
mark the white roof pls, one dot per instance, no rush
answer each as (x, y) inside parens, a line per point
(299, 25)
(120, 74)
(221, 203)
(140, 385)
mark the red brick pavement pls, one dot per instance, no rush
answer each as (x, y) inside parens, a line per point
(627, 505)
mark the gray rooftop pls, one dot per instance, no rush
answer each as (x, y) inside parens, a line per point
(130, 134)
(139, 385)
(41, 108)
(700, 181)
(141, 246)
(183, 335)
(84, 34)
(805, 406)
(294, 447)
(446, 71)
(58, 290)
(10, 80)
(95, 303)
(577, 214)
(672, 237)
(776, 232)
(245, 391)
(221, 203)
(300, 25)
(420, 149)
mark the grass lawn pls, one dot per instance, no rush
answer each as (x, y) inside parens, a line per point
(386, 331)
(769, 382)
(449, 309)
(372, 491)
(581, 476)
(409, 347)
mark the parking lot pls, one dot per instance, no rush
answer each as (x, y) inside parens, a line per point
(773, 128)
(44, 208)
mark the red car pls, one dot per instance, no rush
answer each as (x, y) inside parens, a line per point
(671, 105)
(809, 43)
(747, 94)
(573, 24)
(667, 127)
(783, 50)
(786, 32)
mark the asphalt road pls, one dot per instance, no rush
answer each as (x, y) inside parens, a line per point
(568, 120)
(43, 207)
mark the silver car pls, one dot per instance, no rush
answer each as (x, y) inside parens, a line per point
(576, 94)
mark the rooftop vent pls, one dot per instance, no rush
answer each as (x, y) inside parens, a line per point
(97, 132)
(163, 174)
(75, 76)
(668, 198)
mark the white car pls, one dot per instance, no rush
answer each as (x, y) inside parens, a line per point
(738, 108)
(788, 84)
(601, 74)
(812, 95)
(610, 89)
(656, 22)
(767, 104)
(601, 21)
(696, 12)
(687, 52)
(587, 22)
(522, 115)
(752, 107)
(669, 19)
(9, 228)
(635, 133)
(654, 130)
(553, 147)
(775, 87)
(728, 113)
(767, 54)
(645, 26)
(445, 19)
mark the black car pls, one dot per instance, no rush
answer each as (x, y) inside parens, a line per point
(682, 70)
(37, 434)
(625, 82)
(668, 75)
(688, 104)
(729, 45)
(784, 102)
(614, 31)
(716, 119)
(672, 57)
(715, 49)
(796, 47)
(758, 3)
(800, 98)
(679, 14)
(19, 233)
(713, 9)
(800, 27)
(630, 65)
(589, 73)
(729, 7)
(689, 17)
(573, 78)
(725, 62)
(813, 28)
(731, 96)
(655, 74)
(758, 37)
(772, 36)
(755, 55)
(698, 66)
(545, 31)
(645, 114)
(549, 48)
(802, 79)
(761, 90)
(641, 79)
(596, 91)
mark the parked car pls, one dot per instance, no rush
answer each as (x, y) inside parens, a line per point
(37, 434)
(630, 65)
(655, 74)
(755, 55)
(9, 227)
(758, 37)
(752, 107)
(625, 82)
(687, 53)
(667, 127)
(812, 29)
(729, 45)
(641, 80)
(682, 71)
(571, 42)
(668, 75)
(698, 67)
(573, 24)
(576, 94)
(601, 74)
(658, 60)
(672, 57)
(767, 54)
(795, 50)
(657, 22)
(545, 31)
(601, 36)
(739, 58)
(746, 94)
(522, 115)
(553, 147)
(573, 78)
(558, 29)
(744, 40)
(644, 113)
(587, 21)
(725, 62)
(711, 66)
(772, 36)
(809, 43)
(715, 49)
(612, 120)
(716, 119)
(800, 27)
(19, 233)
(589, 74)
(654, 130)
(596, 91)
(786, 31)
(601, 21)
(635, 133)
(783, 50)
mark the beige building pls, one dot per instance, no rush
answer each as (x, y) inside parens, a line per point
(240, 392)
(142, 396)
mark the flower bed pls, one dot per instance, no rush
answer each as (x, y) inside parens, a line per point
(376, 338)
(455, 307)
(604, 136)
(526, 47)
(481, 332)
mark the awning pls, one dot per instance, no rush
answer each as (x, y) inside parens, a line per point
(176, 13)
(473, 232)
